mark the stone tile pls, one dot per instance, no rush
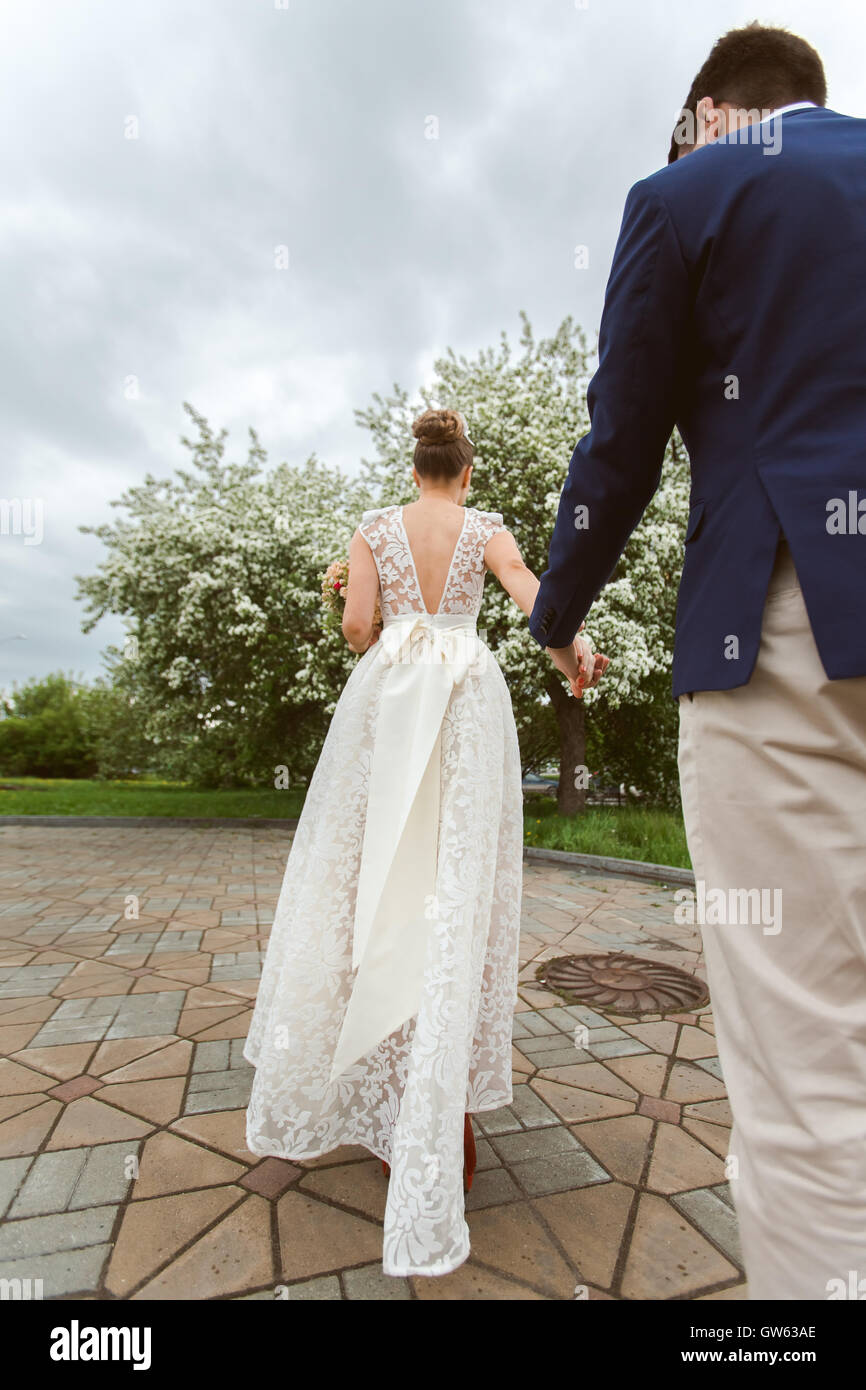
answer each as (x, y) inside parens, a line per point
(714, 1217)
(316, 1238)
(712, 1065)
(512, 1241)
(695, 1043)
(271, 1177)
(690, 1263)
(115, 1055)
(75, 1088)
(620, 1144)
(371, 1283)
(61, 1063)
(572, 1104)
(16, 1079)
(23, 1134)
(557, 1173)
(529, 1106)
(667, 1110)
(646, 1074)
(88, 1121)
(362, 1186)
(170, 1164)
(715, 1137)
(534, 1143)
(62, 1273)
(590, 1224)
(717, 1112)
(491, 1188)
(689, 1083)
(680, 1162)
(35, 1236)
(472, 1283)
(660, 1037)
(50, 1183)
(310, 1290)
(234, 1255)
(16, 1105)
(160, 1100)
(155, 1229)
(503, 1121)
(107, 1174)
(592, 1076)
(12, 1172)
(616, 1048)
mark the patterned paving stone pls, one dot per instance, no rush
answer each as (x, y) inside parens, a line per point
(690, 1264)
(370, 1283)
(123, 1098)
(714, 1216)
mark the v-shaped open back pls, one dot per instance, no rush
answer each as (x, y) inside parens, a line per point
(442, 596)
(385, 533)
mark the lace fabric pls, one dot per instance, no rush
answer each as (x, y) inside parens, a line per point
(405, 1099)
(385, 533)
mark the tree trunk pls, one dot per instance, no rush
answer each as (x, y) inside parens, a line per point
(571, 796)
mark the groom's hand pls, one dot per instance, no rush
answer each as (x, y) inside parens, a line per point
(576, 661)
(600, 665)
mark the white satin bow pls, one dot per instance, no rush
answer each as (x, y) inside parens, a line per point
(427, 656)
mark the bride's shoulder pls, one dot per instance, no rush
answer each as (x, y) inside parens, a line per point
(489, 519)
(375, 512)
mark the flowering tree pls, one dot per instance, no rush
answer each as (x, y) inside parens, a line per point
(525, 414)
(230, 669)
(218, 574)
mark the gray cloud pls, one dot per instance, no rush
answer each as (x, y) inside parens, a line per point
(154, 258)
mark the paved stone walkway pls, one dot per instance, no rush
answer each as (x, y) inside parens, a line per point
(123, 1170)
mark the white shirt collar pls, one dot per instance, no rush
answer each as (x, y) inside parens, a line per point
(793, 106)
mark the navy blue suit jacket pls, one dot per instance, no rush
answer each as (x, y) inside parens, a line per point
(735, 309)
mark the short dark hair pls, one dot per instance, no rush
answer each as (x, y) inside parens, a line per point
(756, 67)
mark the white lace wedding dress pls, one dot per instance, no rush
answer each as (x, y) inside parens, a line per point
(401, 892)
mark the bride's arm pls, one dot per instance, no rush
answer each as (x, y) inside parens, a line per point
(502, 556)
(358, 627)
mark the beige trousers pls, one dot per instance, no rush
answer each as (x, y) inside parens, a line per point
(773, 780)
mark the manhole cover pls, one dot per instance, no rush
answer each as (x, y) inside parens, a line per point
(623, 984)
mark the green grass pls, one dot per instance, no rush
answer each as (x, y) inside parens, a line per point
(35, 796)
(622, 832)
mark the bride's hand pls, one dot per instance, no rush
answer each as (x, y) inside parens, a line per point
(599, 666)
(575, 661)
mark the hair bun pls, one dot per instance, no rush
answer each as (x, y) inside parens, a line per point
(438, 427)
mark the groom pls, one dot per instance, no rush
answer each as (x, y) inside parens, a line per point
(736, 310)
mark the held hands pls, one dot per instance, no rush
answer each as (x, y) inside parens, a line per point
(582, 667)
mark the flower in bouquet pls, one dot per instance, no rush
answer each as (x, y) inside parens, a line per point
(335, 585)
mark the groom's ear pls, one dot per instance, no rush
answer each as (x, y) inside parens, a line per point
(712, 121)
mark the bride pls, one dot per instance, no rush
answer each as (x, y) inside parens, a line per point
(384, 1012)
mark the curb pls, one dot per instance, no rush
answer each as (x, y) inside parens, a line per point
(623, 868)
(598, 863)
(206, 822)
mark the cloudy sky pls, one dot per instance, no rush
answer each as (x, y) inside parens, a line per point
(156, 152)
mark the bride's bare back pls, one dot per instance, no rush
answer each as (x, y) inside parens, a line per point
(433, 529)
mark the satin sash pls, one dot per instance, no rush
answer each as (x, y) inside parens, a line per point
(428, 655)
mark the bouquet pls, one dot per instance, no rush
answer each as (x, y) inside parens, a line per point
(335, 584)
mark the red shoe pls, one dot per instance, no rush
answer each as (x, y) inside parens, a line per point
(470, 1156)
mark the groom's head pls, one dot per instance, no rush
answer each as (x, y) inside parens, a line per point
(749, 73)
